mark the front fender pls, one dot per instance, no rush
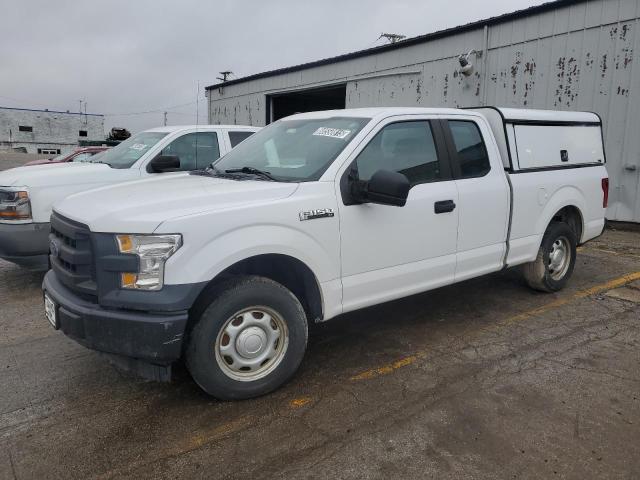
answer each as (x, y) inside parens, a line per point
(203, 263)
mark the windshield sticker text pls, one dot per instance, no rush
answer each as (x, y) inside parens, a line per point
(332, 132)
(138, 146)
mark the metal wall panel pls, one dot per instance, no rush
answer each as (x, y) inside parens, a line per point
(577, 57)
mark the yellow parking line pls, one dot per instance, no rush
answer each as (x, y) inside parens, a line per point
(300, 402)
(603, 287)
(608, 252)
(220, 431)
(196, 441)
(390, 367)
(411, 359)
(213, 433)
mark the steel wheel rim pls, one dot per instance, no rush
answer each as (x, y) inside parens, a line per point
(251, 343)
(559, 258)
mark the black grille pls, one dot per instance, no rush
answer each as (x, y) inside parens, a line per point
(71, 255)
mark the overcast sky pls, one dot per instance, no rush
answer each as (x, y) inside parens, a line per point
(126, 57)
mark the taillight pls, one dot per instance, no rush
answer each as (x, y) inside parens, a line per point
(605, 192)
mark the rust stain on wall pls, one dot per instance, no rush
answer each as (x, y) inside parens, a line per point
(603, 65)
(623, 31)
(627, 57)
(588, 62)
(446, 85)
(529, 80)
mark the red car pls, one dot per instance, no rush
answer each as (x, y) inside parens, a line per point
(78, 155)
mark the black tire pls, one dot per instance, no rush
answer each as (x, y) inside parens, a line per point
(539, 274)
(203, 358)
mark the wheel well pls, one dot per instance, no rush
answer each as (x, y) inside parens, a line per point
(571, 216)
(288, 271)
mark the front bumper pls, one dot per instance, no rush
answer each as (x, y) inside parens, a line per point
(25, 244)
(155, 338)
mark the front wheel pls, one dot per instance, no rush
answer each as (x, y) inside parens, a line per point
(249, 340)
(553, 266)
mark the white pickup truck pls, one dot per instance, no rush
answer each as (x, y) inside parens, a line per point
(27, 194)
(316, 215)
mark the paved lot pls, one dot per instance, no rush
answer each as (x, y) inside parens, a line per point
(10, 160)
(485, 379)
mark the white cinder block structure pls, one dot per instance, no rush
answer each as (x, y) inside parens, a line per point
(46, 131)
(565, 55)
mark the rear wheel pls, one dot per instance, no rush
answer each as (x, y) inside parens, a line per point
(249, 340)
(553, 266)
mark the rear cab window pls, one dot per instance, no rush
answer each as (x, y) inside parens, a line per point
(237, 136)
(467, 149)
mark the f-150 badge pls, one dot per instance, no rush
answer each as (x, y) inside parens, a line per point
(317, 213)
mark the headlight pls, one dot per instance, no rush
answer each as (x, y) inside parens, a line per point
(15, 205)
(153, 251)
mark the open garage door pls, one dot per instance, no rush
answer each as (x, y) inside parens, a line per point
(285, 104)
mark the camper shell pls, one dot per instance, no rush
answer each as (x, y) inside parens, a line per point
(545, 139)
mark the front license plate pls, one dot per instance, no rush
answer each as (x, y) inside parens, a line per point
(50, 311)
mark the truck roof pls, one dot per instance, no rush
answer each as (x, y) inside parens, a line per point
(513, 114)
(178, 128)
(373, 112)
(543, 116)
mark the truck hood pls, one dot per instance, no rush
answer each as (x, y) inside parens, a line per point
(141, 206)
(51, 173)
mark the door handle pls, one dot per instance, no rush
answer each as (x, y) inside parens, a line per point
(444, 206)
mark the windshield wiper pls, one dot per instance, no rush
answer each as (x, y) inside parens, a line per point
(209, 171)
(212, 171)
(252, 171)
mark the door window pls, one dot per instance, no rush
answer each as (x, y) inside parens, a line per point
(236, 137)
(404, 147)
(195, 150)
(471, 151)
(82, 157)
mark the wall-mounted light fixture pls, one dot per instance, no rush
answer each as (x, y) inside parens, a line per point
(466, 67)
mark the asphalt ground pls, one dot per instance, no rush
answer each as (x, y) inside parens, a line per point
(11, 159)
(483, 379)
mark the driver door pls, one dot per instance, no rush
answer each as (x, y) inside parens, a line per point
(389, 252)
(196, 150)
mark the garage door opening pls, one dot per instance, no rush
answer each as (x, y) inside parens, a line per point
(285, 104)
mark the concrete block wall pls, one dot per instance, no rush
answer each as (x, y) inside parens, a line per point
(50, 130)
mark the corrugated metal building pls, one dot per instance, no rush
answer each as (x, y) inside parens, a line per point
(47, 131)
(569, 55)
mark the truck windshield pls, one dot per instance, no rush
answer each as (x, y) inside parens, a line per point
(129, 152)
(293, 150)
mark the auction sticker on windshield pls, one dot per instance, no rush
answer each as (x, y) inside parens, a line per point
(332, 132)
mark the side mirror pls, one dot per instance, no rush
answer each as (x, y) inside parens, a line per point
(385, 187)
(388, 188)
(164, 163)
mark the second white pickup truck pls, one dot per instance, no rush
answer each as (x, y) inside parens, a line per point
(28, 194)
(316, 215)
